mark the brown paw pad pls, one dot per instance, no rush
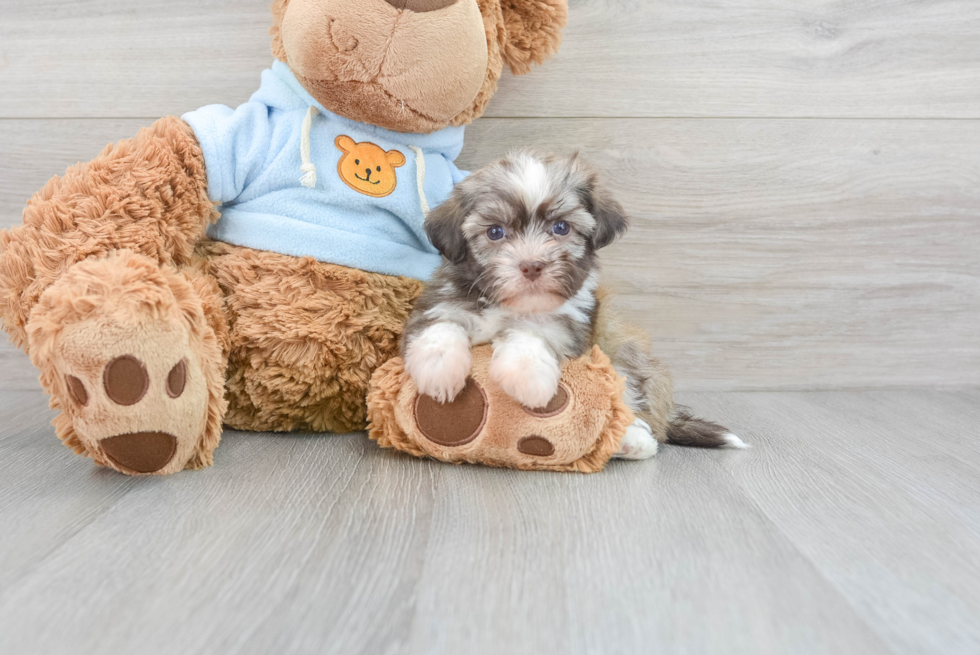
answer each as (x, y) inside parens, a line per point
(536, 446)
(76, 389)
(456, 423)
(141, 452)
(126, 380)
(554, 407)
(177, 379)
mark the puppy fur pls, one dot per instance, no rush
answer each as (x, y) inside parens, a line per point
(520, 239)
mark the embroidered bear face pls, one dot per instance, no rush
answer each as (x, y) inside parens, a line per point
(367, 168)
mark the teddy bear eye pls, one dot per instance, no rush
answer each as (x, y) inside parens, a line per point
(495, 233)
(379, 169)
(357, 162)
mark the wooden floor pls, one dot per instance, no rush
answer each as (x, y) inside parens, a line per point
(852, 526)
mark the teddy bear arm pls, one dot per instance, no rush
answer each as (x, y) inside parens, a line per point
(533, 29)
(147, 194)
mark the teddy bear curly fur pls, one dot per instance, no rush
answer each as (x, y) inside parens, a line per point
(112, 259)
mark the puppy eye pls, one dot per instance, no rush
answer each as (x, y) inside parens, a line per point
(496, 233)
(561, 228)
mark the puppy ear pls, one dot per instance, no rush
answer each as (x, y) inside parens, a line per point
(533, 31)
(610, 217)
(444, 226)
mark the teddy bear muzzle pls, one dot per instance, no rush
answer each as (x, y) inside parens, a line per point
(377, 61)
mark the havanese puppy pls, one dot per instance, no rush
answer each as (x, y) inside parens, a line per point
(519, 240)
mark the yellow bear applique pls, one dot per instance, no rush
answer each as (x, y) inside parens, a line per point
(367, 168)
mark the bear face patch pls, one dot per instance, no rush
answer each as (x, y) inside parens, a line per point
(367, 168)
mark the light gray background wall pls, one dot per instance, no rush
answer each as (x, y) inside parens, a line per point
(805, 174)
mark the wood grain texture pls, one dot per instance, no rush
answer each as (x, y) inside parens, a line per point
(788, 58)
(879, 491)
(18, 372)
(852, 526)
(765, 254)
(789, 253)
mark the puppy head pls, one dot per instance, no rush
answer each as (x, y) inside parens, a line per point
(524, 231)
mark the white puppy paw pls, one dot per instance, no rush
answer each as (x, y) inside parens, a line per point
(439, 361)
(638, 442)
(525, 369)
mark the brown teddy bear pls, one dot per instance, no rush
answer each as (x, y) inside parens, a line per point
(253, 267)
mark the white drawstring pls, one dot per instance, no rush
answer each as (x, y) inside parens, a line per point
(420, 177)
(309, 168)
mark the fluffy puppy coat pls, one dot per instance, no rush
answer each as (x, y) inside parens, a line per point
(520, 270)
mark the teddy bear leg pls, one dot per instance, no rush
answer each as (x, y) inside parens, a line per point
(305, 337)
(132, 354)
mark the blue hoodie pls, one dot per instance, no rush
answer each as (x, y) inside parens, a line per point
(278, 194)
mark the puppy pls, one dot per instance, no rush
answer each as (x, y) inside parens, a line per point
(519, 240)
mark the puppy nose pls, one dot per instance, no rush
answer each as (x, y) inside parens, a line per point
(532, 270)
(420, 5)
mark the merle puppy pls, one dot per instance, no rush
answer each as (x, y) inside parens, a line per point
(519, 240)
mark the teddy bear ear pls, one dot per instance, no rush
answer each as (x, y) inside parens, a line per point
(533, 31)
(278, 13)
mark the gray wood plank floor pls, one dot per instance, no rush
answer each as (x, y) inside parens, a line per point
(852, 526)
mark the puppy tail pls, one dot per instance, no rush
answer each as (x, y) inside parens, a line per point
(649, 388)
(686, 430)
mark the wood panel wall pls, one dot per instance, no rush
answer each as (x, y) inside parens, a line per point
(804, 174)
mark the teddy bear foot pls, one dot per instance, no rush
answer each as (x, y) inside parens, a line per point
(126, 351)
(585, 423)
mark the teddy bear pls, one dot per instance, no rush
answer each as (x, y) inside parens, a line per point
(252, 267)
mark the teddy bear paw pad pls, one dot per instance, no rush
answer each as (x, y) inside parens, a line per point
(555, 406)
(454, 423)
(536, 446)
(141, 452)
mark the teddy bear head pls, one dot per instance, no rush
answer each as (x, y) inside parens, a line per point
(412, 65)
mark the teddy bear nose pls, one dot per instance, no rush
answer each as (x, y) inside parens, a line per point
(532, 270)
(420, 6)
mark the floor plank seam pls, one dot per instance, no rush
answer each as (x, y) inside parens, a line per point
(129, 486)
(811, 563)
